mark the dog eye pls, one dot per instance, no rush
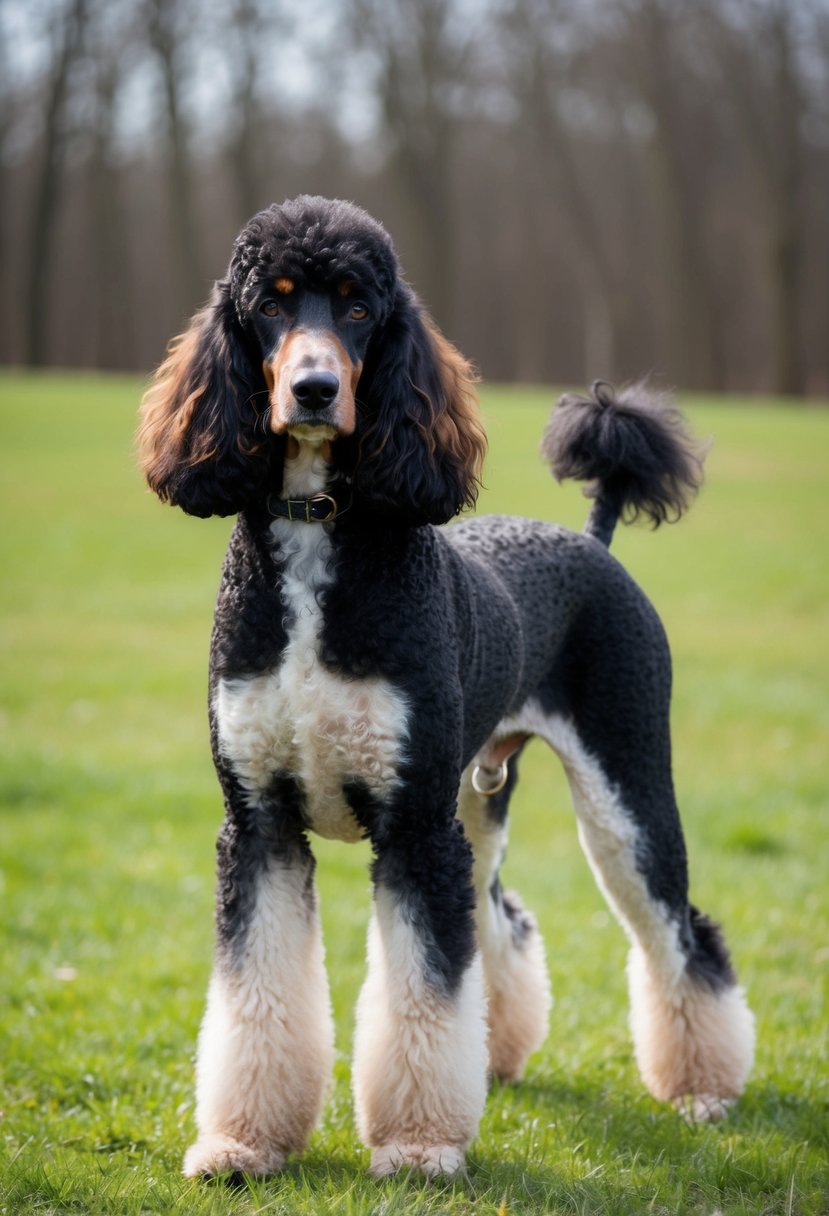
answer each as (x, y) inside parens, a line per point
(270, 308)
(359, 312)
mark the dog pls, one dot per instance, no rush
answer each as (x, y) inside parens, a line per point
(373, 675)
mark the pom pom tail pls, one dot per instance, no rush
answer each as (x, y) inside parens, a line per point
(634, 450)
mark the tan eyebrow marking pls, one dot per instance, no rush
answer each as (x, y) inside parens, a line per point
(345, 288)
(284, 286)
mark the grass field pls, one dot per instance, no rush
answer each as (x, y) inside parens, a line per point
(109, 810)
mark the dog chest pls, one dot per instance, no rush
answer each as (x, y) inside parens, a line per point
(305, 720)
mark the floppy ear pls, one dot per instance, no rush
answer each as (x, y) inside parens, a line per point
(424, 445)
(196, 440)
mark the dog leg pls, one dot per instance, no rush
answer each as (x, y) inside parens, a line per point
(693, 1031)
(515, 969)
(266, 1044)
(420, 1044)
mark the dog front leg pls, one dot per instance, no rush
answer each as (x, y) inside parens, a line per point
(420, 1058)
(266, 1044)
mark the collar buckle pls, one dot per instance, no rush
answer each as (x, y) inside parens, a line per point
(318, 503)
(319, 509)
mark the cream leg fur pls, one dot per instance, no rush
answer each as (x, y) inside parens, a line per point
(266, 1044)
(515, 969)
(419, 1055)
(694, 1045)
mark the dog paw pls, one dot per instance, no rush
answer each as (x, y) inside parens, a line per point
(217, 1154)
(433, 1160)
(702, 1108)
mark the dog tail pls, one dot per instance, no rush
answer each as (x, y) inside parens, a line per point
(633, 448)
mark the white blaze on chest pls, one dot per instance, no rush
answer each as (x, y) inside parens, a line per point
(304, 719)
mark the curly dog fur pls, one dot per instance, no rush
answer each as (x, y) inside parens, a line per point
(373, 675)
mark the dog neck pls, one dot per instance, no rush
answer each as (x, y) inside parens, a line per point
(307, 466)
(304, 497)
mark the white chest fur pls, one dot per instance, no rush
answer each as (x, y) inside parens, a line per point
(303, 719)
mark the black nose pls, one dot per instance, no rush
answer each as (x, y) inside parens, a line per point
(315, 390)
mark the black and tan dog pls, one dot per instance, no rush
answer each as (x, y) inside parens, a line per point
(375, 676)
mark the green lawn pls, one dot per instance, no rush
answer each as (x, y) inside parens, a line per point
(109, 810)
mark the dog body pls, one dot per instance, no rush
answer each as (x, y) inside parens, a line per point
(374, 676)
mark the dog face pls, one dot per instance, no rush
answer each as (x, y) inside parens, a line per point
(313, 347)
(311, 281)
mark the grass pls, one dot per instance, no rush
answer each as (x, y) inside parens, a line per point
(108, 813)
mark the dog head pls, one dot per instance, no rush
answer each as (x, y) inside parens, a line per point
(313, 334)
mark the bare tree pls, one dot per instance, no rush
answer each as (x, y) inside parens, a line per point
(661, 52)
(67, 45)
(168, 33)
(111, 278)
(577, 187)
(818, 185)
(244, 141)
(541, 52)
(755, 42)
(422, 59)
(7, 106)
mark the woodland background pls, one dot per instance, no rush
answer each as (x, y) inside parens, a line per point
(576, 187)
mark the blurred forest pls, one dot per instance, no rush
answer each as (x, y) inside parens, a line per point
(577, 188)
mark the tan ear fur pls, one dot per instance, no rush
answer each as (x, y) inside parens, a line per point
(167, 412)
(457, 429)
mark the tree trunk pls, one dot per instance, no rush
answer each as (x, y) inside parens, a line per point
(421, 64)
(244, 150)
(766, 95)
(537, 79)
(694, 348)
(114, 331)
(165, 42)
(48, 186)
(785, 257)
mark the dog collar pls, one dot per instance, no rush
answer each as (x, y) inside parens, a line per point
(319, 509)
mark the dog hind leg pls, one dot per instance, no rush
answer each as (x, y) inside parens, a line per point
(515, 969)
(692, 1029)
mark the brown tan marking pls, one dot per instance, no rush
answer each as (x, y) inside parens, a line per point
(174, 428)
(451, 426)
(284, 286)
(310, 351)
